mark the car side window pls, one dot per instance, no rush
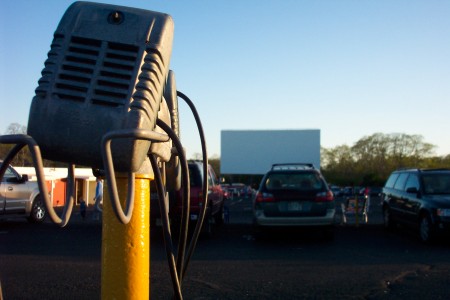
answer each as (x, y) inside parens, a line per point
(391, 180)
(412, 182)
(9, 174)
(401, 180)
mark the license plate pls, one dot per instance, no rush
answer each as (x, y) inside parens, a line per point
(294, 206)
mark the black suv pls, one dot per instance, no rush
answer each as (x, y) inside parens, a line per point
(419, 198)
(294, 195)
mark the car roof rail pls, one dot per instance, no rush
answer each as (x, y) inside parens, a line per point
(406, 169)
(422, 169)
(433, 169)
(293, 166)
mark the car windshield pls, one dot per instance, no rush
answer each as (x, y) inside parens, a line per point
(294, 181)
(437, 183)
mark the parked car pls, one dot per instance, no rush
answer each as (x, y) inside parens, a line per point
(370, 191)
(419, 198)
(294, 195)
(237, 190)
(226, 193)
(215, 210)
(20, 197)
(351, 191)
(337, 191)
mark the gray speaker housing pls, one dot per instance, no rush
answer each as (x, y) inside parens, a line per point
(105, 71)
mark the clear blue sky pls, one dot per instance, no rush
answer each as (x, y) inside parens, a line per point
(350, 68)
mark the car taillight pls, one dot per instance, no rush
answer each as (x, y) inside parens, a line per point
(324, 197)
(264, 197)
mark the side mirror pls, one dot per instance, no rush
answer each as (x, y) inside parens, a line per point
(19, 179)
(24, 178)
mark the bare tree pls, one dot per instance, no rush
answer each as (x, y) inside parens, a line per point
(16, 128)
(23, 158)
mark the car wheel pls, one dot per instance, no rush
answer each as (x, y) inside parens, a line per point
(38, 211)
(387, 218)
(426, 231)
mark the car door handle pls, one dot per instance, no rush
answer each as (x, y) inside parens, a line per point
(10, 188)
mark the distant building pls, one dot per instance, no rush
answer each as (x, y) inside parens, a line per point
(85, 183)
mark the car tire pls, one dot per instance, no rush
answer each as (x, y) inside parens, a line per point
(426, 230)
(387, 219)
(38, 211)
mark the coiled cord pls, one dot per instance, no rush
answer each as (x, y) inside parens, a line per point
(178, 268)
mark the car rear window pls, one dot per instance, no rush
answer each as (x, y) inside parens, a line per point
(195, 176)
(294, 181)
(437, 183)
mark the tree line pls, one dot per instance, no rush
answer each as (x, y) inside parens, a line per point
(367, 163)
(23, 158)
(372, 158)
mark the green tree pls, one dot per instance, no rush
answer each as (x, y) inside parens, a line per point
(372, 158)
(339, 165)
(215, 164)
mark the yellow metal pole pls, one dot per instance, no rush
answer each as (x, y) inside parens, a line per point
(126, 247)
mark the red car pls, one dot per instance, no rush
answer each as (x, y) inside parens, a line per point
(215, 210)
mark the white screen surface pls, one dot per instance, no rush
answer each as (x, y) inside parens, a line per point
(254, 151)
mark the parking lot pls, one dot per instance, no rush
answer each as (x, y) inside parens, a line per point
(362, 262)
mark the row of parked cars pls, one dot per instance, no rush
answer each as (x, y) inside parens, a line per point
(298, 195)
(236, 190)
(350, 191)
(294, 195)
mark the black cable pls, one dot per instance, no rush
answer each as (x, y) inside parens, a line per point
(166, 228)
(199, 225)
(185, 197)
(181, 270)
